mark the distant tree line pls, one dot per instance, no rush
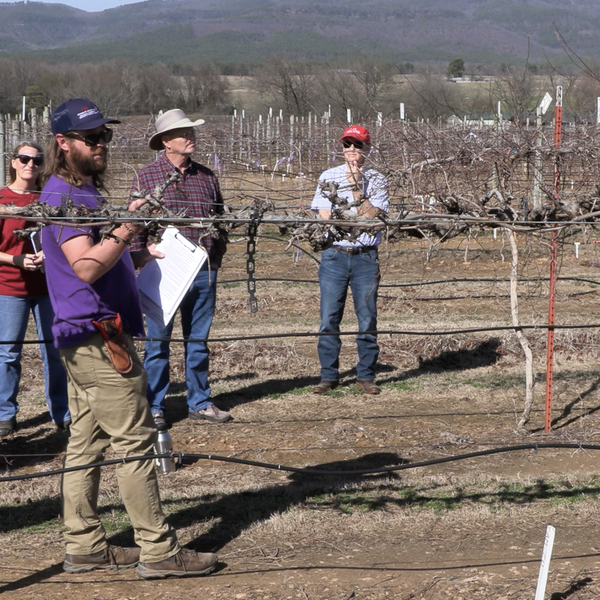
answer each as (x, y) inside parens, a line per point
(364, 85)
(119, 86)
(368, 87)
(123, 87)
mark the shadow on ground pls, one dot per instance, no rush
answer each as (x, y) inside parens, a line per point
(483, 354)
(566, 418)
(36, 441)
(228, 516)
(573, 588)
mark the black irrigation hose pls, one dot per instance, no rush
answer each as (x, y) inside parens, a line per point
(383, 285)
(378, 332)
(300, 334)
(422, 283)
(302, 471)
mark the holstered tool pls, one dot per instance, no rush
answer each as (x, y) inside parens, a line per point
(111, 329)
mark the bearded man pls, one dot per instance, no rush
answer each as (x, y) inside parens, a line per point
(97, 309)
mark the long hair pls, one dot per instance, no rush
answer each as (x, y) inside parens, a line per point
(12, 172)
(56, 164)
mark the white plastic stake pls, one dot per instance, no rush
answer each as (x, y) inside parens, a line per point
(540, 592)
(577, 249)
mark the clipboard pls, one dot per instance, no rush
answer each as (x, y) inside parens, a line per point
(164, 282)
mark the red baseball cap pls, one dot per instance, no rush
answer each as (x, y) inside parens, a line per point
(358, 133)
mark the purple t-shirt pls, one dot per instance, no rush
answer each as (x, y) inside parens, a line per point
(76, 303)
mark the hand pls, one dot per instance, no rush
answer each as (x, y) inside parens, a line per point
(366, 209)
(141, 257)
(153, 252)
(354, 169)
(38, 259)
(135, 205)
(27, 262)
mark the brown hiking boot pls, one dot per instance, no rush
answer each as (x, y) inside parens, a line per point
(111, 558)
(211, 414)
(369, 387)
(8, 427)
(325, 386)
(185, 563)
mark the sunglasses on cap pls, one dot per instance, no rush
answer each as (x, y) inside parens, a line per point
(91, 139)
(358, 145)
(24, 159)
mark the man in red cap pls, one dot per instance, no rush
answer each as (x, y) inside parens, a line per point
(351, 261)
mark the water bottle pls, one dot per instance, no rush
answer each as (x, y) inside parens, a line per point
(164, 445)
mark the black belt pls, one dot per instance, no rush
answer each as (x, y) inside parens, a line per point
(355, 250)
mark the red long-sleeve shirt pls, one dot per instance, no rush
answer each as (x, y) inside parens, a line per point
(15, 281)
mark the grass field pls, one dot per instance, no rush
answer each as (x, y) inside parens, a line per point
(463, 529)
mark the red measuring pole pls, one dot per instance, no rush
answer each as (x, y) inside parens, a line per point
(553, 261)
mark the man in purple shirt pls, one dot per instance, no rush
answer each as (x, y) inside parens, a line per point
(97, 309)
(197, 192)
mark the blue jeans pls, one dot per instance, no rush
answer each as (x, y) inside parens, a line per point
(197, 310)
(337, 271)
(14, 316)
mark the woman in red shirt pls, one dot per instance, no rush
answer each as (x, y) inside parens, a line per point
(23, 290)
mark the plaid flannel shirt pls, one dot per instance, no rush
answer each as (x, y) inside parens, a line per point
(197, 192)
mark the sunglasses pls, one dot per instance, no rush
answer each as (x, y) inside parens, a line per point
(92, 139)
(24, 159)
(357, 145)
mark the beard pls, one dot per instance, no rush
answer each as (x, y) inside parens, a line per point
(86, 164)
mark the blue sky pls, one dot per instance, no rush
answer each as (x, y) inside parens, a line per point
(90, 5)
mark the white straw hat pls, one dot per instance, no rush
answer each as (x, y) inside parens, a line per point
(172, 119)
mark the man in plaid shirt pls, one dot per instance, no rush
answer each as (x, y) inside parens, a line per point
(197, 192)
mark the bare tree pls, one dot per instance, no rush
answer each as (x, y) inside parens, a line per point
(153, 88)
(105, 83)
(582, 96)
(289, 83)
(363, 86)
(431, 96)
(10, 88)
(16, 75)
(204, 89)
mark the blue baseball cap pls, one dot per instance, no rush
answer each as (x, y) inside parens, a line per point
(78, 114)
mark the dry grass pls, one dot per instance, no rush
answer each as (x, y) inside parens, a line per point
(470, 529)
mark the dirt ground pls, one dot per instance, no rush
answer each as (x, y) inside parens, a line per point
(467, 529)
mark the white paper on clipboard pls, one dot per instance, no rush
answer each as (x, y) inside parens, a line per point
(163, 282)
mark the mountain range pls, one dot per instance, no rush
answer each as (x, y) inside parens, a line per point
(237, 32)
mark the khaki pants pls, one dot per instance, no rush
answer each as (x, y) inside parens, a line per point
(108, 408)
